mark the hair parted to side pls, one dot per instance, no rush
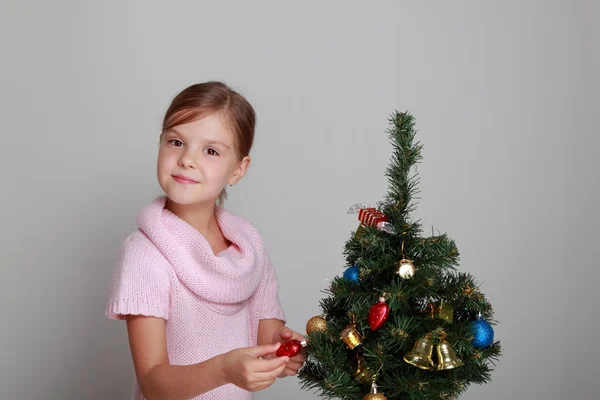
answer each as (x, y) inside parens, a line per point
(203, 99)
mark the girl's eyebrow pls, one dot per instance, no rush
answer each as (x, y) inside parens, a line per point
(217, 142)
(176, 132)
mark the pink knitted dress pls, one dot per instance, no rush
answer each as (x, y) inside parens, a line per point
(211, 304)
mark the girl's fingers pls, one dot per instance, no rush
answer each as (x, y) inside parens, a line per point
(270, 375)
(262, 350)
(299, 358)
(295, 365)
(266, 366)
(257, 386)
(279, 371)
(297, 336)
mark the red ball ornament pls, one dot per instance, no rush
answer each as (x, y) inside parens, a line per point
(378, 314)
(290, 348)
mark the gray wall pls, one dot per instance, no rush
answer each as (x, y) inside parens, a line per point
(503, 93)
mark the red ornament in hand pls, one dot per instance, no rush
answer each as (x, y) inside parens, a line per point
(378, 314)
(290, 348)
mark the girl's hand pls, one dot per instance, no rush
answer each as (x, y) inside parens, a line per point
(245, 369)
(284, 334)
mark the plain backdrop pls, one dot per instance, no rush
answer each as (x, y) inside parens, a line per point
(504, 95)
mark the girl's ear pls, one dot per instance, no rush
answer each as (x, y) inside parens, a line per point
(240, 171)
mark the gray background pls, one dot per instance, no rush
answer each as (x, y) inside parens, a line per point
(503, 93)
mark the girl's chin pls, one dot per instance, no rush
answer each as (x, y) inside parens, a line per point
(187, 199)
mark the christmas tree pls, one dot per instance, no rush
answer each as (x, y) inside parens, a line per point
(402, 322)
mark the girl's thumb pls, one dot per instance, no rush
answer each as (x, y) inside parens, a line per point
(285, 332)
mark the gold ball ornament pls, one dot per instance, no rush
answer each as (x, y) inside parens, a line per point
(316, 324)
(406, 269)
(363, 374)
(374, 395)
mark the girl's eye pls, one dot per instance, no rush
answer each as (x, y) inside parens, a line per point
(211, 152)
(176, 142)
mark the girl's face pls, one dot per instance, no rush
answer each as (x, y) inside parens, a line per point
(196, 160)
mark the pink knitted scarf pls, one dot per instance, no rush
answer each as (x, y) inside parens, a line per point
(182, 245)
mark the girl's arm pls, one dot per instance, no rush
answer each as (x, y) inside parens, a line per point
(160, 380)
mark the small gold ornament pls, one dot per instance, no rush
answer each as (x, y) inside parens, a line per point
(374, 395)
(406, 269)
(420, 355)
(446, 312)
(447, 359)
(431, 310)
(360, 231)
(363, 374)
(316, 324)
(351, 336)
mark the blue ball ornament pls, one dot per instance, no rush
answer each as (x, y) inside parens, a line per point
(352, 274)
(483, 333)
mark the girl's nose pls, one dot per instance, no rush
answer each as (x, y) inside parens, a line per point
(187, 160)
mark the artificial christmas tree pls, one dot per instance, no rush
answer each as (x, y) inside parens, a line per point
(401, 322)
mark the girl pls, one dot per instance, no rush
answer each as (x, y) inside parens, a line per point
(194, 282)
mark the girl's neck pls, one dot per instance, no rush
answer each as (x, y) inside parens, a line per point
(199, 216)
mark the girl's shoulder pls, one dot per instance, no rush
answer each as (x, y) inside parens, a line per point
(140, 283)
(138, 244)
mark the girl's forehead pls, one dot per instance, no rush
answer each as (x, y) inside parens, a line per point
(210, 127)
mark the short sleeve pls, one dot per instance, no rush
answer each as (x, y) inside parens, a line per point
(265, 301)
(140, 283)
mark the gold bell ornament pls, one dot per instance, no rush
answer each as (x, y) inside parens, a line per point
(316, 324)
(351, 336)
(447, 359)
(374, 394)
(420, 355)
